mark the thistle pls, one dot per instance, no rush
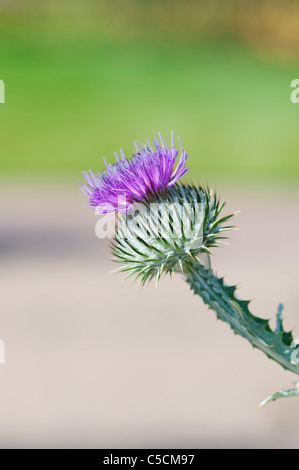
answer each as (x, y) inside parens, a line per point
(149, 171)
(164, 226)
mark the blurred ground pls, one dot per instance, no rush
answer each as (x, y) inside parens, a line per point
(95, 362)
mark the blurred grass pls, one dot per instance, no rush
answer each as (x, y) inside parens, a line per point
(70, 100)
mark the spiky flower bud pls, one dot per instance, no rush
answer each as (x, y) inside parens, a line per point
(167, 234)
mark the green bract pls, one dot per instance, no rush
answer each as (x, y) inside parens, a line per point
(168, 232)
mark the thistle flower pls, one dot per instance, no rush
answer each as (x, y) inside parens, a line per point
(164, 226)
(149, 171)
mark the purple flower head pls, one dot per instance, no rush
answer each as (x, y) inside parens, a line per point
(148, 171)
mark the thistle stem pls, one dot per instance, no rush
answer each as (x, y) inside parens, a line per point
(277, 345)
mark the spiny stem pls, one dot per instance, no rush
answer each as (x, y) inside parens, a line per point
(277, 345)
(290, 392)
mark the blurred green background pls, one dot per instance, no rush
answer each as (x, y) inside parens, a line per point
(84, 78)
